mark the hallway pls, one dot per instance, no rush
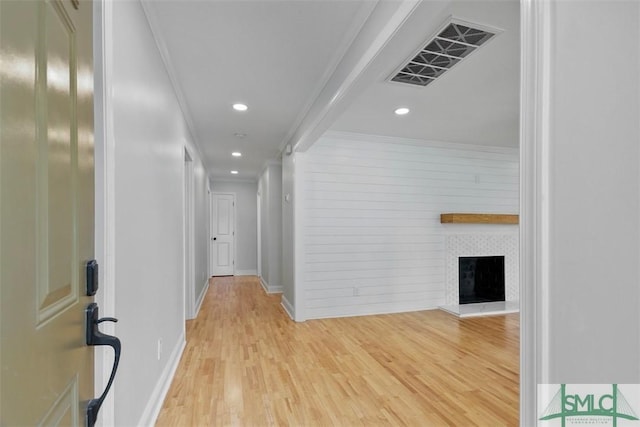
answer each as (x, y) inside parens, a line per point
(247, 363)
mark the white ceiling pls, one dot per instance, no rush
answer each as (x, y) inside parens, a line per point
(476, 102)
(278, 56)
(273, 56)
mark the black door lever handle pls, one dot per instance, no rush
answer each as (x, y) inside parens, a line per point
(94, 337)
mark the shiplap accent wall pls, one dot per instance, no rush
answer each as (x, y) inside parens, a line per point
(373, 242)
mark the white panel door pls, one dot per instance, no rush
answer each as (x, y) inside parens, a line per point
(223, 234)
(47, 199)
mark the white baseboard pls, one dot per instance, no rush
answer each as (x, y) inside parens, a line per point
(339, 312)
(246, 273)
(152, 409)
(288, 307)
(270, 289)
(264, 284)
(205, 288)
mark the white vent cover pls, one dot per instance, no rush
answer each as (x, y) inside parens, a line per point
(451, 45)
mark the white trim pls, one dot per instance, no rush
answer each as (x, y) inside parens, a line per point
(153, 406)
(534, 214)
(374, 312)
(270, 289)
(205, 288)
(105, 240)
(284, 302)
(188, 231)
(210, 236)
(259, 235)
(208, 228)
(246, 273)
(299, 232)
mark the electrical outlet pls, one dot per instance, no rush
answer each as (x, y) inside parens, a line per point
(355, 291)
(159, 348)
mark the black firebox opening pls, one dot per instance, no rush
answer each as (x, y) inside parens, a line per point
(481, 279)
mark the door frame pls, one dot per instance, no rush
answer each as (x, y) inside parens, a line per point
(188, 236)
(535, 78)
(104, 157)
(259, 236)
(211, 228)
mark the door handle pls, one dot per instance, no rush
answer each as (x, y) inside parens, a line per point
(215, 238)
(94, 338)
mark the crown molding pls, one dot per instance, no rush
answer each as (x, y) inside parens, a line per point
(152, 20)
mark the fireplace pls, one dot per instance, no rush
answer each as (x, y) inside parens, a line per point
(481, 243)
(481, 279)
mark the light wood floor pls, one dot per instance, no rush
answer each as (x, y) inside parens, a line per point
(246, 363)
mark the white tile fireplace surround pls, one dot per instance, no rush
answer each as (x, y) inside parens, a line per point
(468, 240)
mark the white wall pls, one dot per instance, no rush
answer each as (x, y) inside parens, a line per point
(373, 242)
(149, 136)
(247, 223)
(593, 322)
(270, 191)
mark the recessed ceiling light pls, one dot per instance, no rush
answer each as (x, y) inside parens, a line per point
(234, 172)
(240, 107)
(402, 111)
(236, 154)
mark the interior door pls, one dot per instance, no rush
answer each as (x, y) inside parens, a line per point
(46, 210)
(222, 234)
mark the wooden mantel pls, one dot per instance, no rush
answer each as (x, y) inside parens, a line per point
(478, 218)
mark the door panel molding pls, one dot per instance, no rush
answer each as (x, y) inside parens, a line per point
(57, 161)
(64, 411)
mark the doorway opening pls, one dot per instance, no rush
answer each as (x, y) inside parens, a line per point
(189, 288)
(259, 235)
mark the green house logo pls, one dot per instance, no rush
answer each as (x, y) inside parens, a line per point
(589, 408)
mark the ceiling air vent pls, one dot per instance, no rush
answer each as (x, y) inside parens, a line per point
(451, 45)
